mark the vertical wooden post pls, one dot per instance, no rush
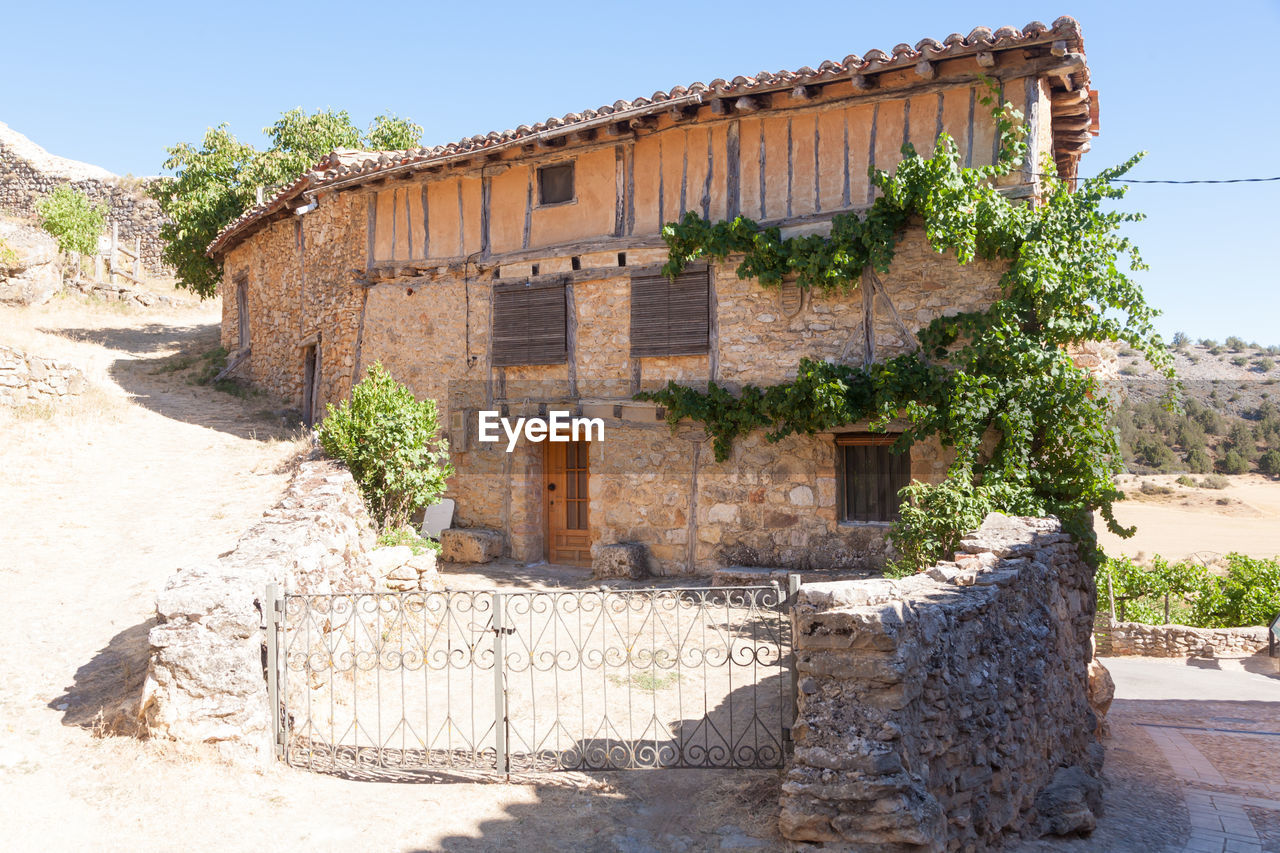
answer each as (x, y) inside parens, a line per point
(137, 259)
(1111, 594)
(115, 246)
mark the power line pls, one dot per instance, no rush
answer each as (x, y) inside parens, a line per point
(1218, 181)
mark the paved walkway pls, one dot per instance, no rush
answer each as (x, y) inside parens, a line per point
(1217, 725)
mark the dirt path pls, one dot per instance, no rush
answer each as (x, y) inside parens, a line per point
(100, 503)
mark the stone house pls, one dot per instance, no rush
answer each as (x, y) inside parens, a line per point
(518, 271)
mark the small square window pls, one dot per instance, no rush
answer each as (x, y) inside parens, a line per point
(871, 474)
(555, 184)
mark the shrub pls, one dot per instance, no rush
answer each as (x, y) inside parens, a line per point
(1235, 344)
(406, 535)
(1152, 452)
(1130, 370)
(1216, 350)
(1266, 365)
(1249, 594)
(1149, 488)
(72, 220)
(1240, 361)
(391, 442)
(1184, 480)
(1214, 481)
(1269, 463)
(936, 516)
(1181, 340)
(1233, 463)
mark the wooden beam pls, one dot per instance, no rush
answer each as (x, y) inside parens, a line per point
(926, 70)
(616, 129)
(746, 104)
(643, 123)
(861, 82)
(986, 59)
(1059, 48)
(803, 93)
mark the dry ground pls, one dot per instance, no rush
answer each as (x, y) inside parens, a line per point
(101, 502)
(1244, 517)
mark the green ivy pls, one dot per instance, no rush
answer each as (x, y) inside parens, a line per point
(1031, 430)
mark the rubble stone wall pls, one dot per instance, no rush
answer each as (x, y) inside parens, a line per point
(1179, 641)
(205, 681)
(27, 379)
(948, 710)
(23, 184)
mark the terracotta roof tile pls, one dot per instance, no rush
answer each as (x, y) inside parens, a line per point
(343, 165)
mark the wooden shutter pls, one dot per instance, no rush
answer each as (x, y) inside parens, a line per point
(873, 474)
(529, 325)
(670, 317)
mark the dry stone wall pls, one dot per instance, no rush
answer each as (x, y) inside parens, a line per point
(949, 710)
(205, 681)
(28, 173)
(1179, 641)
(27, 379)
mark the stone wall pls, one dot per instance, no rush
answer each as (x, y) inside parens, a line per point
(28, 173)
(949, 710)
(1179, 641)
(27, 379)
(205, 681)
(30, 265)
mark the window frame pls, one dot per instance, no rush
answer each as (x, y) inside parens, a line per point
(902, 464)
(573, 183)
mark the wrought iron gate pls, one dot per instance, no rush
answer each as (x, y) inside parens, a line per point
(531, 680)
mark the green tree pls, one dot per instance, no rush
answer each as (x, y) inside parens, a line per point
(209, 190)
(1269, 463)
(391, 442)
(72, 220)
(390, 132)
(219, 179)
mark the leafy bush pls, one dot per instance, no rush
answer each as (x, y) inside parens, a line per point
(391, 442)
(1149, 488)
(1266, 365)
(1249, 594)
(934, 517)
(1214, 481)
(1269, 463)
(1240, 361)
(72, 220)
(1233, 463)
(1198, 461)
(1181, 340)
(1235, 344)
(1184, 480)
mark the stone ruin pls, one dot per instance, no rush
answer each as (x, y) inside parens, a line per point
(28, 379)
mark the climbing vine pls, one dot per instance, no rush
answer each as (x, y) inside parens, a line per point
(1031, 430)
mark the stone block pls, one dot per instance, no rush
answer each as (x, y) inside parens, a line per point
(470, 545)
(621, 560)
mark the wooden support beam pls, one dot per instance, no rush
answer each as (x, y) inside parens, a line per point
(643, 123)
(747, 104)
(803, 93)
(552, 142)
(986, 59)
(926, 70)
(720, 107)
(861, 82)
(1059, 48)
(616, 129)
(679, 114)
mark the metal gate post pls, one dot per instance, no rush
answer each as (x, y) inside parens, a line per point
(793, 595)
(499, 684)
(271, 607)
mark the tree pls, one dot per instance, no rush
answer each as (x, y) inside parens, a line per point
(217, 181)
(72, 220)
(391, 442)
(1269, 464)
(208, 191)
(390, 132)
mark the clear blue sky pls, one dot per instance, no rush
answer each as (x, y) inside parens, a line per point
(114, 84)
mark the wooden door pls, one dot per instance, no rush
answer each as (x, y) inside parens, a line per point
(567, 501)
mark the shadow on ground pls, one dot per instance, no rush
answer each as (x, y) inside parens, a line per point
(105, 692)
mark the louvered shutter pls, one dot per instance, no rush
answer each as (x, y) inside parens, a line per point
(529, 325)
(670, 317)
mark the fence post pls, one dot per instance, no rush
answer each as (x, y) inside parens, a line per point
(97, 268)
(271, 620)
(793, 594)
(115, 246)
(499, 684)
(137, 259)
